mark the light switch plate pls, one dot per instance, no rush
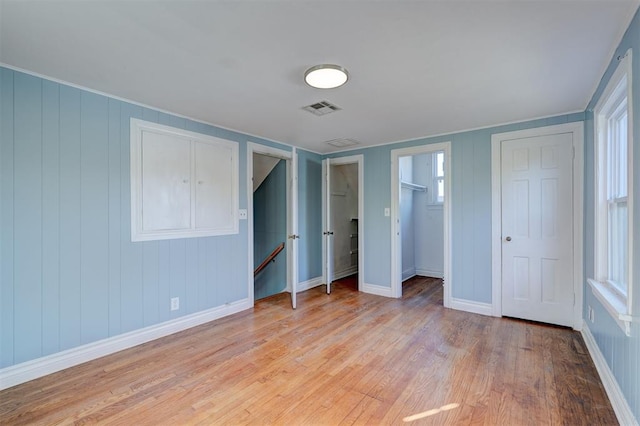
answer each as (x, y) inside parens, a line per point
(387, 211)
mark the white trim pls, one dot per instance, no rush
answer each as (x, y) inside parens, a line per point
(252, 148)
(429, 273)
(616, 42)
(285, 144)
(309, 284)
(408, 273)
(496, 226)
(292, 227)
(617, 305)
(422, 140)
(616, 397)
(577, 129)
(378, 290)
(140, 104)
(613, 303)
(471, 306)
(396, 250)
(345, 272)
(30, 370)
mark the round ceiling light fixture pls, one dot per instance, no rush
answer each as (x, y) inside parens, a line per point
(326, 76)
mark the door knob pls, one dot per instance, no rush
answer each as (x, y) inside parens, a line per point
(508, 238)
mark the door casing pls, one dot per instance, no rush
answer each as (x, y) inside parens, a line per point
(292, 215)
(577, 129)
(396, 246)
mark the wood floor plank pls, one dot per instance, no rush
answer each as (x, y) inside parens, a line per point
(345, 358)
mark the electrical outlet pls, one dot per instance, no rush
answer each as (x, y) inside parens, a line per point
(242, 214)
(175, 303)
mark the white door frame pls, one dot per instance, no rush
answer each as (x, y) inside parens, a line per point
(577, 129)
(352, 159)
(292, 215)
(396, 246)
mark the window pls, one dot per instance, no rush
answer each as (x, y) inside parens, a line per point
(613, 214)
(438, 177)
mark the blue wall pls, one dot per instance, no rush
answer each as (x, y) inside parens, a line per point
(269, 230)
(69, 272)
(470, 202)
(622, 353)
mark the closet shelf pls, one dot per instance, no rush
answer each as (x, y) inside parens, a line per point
(413, 186)
(354, 251)
(353, 236)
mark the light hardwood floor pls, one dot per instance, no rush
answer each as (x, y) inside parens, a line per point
(346, 358)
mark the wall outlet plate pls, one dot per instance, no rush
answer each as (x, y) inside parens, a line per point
(175, 303)
(243, 214)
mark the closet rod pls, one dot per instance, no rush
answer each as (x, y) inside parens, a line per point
(413, 186)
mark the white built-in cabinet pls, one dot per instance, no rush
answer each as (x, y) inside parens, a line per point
(183, 184)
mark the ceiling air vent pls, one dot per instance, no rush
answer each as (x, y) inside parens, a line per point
(321, 108)
(341, 143)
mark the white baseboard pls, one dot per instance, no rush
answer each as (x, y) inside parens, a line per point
(618, 401)
(377, 290)
(471, 306)
(306, 285)
(345, 272)
(408, 273)
(23, 372)
(429, 273)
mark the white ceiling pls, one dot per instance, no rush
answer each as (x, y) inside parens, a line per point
(418, 68)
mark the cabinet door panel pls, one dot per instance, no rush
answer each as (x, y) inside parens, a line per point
(166, 188)
(214, 189)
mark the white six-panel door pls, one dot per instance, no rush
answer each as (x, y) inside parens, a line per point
(537, 228)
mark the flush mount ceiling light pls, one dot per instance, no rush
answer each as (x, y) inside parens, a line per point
(326, 76)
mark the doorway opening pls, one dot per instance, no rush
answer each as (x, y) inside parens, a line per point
(343, 211)
(269, 225)
(420, 216)
(271, 222)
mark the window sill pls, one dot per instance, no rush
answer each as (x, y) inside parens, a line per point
(613, 303)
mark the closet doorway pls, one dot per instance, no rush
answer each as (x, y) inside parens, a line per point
(343, 209)
(420, 215)
(272, 225)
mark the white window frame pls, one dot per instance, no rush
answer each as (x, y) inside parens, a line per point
(614, 299)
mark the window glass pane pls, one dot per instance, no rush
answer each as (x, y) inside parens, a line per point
(621, 174)
(618, 245)
(440, 164)
(440, 197)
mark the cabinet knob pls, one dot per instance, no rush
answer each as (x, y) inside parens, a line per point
(508, 238)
